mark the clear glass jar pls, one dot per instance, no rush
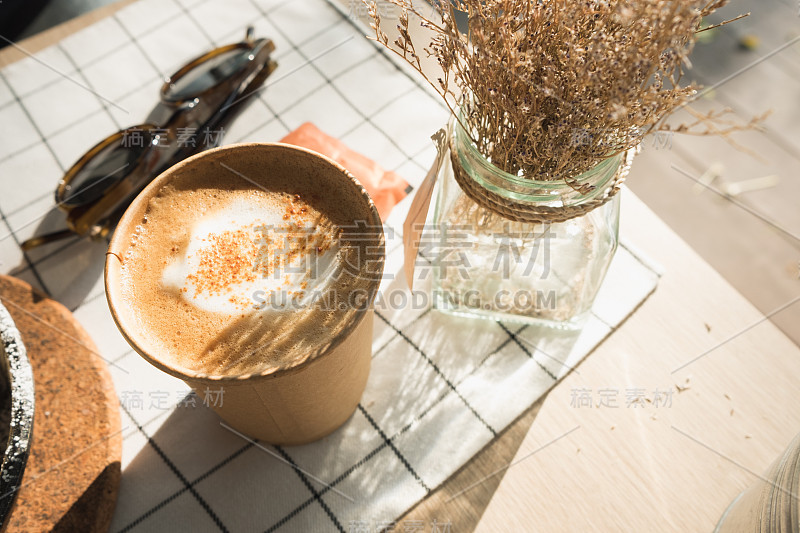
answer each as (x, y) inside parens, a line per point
(489, 266)
(771, 504)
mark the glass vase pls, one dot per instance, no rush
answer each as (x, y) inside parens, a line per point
(488, 265)
(770, 504)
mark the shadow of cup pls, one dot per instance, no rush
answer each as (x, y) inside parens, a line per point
(309, 396)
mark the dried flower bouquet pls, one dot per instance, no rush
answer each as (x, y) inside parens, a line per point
(547, 89)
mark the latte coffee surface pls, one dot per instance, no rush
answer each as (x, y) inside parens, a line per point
(235, 272)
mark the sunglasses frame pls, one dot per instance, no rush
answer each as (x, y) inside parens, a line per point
(209, 108)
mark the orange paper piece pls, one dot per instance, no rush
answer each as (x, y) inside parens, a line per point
(385, 187)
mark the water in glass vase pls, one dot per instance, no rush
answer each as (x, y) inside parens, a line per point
(521, 271)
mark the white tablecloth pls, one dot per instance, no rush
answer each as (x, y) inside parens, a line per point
(439, 391)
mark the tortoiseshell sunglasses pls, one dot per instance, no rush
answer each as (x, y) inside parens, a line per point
(196, 102)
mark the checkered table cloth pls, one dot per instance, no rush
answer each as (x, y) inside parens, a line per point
(438, 391)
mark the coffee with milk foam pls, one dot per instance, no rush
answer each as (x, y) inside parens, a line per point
(228, 282)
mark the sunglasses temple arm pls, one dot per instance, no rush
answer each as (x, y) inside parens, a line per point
(44, 239)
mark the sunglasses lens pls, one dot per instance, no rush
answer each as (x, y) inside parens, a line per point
(208, 74)
(104, 170)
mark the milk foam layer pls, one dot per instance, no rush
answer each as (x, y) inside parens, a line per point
(243, 258)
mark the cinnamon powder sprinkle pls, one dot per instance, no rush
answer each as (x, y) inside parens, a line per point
(247, 254)
(227, 261)
(301, 236)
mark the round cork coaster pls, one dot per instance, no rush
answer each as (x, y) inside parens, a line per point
(72, 477)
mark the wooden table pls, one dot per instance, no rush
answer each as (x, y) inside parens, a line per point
(647, 468)
(674, 466)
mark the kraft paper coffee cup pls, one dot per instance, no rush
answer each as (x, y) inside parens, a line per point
(310, 396)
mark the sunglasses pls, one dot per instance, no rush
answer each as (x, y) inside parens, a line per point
(196, 103)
